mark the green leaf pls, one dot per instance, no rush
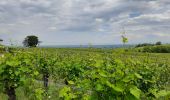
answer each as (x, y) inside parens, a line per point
(36, 73)
(10, 63)
(1, 69)
(103, 74)
(128, 78)
(115, 88)
(129, 96)
(63, 92)
(17, 73)
(163, 93)
(38, 93)
(135, 92)
(153, 91)
(99, 87)
(71, 82)
(138, 75)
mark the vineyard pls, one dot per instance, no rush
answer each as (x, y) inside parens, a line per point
(83, 74)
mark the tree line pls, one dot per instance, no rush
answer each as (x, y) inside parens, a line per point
(149, 44)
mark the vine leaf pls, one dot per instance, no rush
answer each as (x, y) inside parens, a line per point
(135, 92)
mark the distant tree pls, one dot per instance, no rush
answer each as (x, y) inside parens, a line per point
(1, 40)
(31, 41)
(144, 44)
(158, 43)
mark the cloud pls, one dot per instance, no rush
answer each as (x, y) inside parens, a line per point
(77, 18)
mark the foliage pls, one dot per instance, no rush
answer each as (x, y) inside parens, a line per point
(15, 69)
(149, 44)
(158, 43)
(2, 48)
(31, 41)
(90, 74)
(157, 49)
(124, 39)
(144, 44)
(109, 80)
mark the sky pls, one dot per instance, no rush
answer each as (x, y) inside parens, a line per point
(79, 22)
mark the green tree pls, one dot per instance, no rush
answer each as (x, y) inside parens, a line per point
(158, 43)
(1, 41)
(31, 41)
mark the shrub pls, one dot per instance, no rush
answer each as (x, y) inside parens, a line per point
(157, 49)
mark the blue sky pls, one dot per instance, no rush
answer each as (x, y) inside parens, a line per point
(64, 22)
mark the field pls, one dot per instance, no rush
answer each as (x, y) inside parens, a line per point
(84, 74)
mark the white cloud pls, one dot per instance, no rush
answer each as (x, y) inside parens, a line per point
(99, 20)
(52, 28)
(58, 18)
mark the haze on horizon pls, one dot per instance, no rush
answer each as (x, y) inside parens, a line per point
(64, 22)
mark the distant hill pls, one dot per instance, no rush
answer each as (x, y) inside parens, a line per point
(85, 46)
